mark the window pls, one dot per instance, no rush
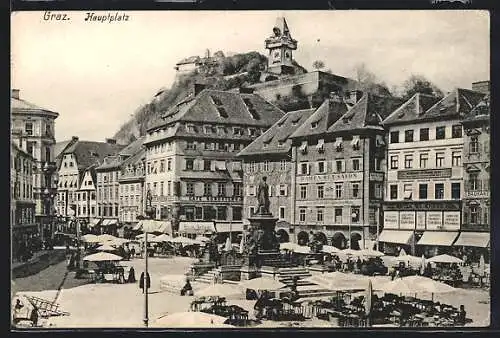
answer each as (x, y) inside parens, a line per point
(28, 128)
(321, 167)
(355, 190)
(422, 191)
(440, 133)
(321, 190)
(302, 215)
(169, 164)
(455, 191)
(303, 191)
(456, 159)
(408, 161)
(282, 190)
(394, 137)
(314, 125)
(424, 134)
(378, 190)
(207, 189)
(169, 188)
(319, 214)
(189, 164)
(355, 212)
(424, 158)
(209, 146)
(393, 192)
(162, 166)
(282, 212)
(408, 191)
(251, 211)
(189, 188)
(338, 215)
(439, 191)
(394, 161)
(338, 190)
(251, 190)
(237, 131)
(474, 214)
(198, 212)
(221, 189)
(408, 135)
(237, 216)
(439, 160)
(161, 188)
(265, 165)
(189, 213)
(30, 148)
(190, 145)
(283, 165)
(303, 168)
(473, 181)
(339, 166)
(47, 154)
(456, 131)
(474, 144)
(237, 189)
(355, 164)
(378, 164)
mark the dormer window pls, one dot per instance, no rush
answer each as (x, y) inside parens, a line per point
(321, 145)
(314, 125)
(192, 128)
(222, 130)
(251, 109)
(295, 120)
(281, 143)
(207, 129)
(237, 131)
(251, 131)
(190, 145)
(338, 144)
(379, 141)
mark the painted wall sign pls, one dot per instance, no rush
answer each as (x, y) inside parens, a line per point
(407, 220)
(424, 174)
(421, 217)
(434, 220)
(451, 220)
(357, 176)
(391, 220)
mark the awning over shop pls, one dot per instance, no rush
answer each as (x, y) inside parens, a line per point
(395, 236)
(440, 238)
(198, 228)
(149, 225)
(475, 239)
(229, 227)
(94, 222)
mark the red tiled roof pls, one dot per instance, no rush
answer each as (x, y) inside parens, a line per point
(89, 153)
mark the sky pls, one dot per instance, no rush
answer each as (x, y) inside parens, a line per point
(95, 75)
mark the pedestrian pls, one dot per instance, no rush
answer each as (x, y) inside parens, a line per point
(131, 275)
(34, 316)
(148, 282)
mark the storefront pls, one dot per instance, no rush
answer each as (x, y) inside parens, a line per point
(226, 229)
(433, 243)
(391, 241)
(192, 229)
(473, 245)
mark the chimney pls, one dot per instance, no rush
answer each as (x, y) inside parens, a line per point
(335, 97)
(110, 141)
(481, 86)
(74, 138)
(353, 96)
(15, 93)
(197, 88)
(245, 90)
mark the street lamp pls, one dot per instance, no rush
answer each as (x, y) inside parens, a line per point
(149, 211)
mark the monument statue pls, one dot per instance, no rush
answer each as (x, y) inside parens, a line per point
(263, 197)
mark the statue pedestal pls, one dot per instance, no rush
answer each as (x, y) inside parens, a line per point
(248, 272)
(264, 224)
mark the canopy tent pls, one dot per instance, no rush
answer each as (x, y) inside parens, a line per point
(302, 249)
(89, 238)
(202, 238)
(330, 249)
(160, 238)
(438, 238)
(105, 238)
(106, 247)
(395, 236)
(141, 236)
(473, 239)
(154, 226)
(340, 281)
(262, 283)
(183, 240)
(371, 253)
(445, 259)
(118, 241)
(94, 222)
(351, 252)
(102, 257)
(288, 246)
(415, 284)
(414, 261)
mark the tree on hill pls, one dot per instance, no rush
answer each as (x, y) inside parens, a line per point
(318, 64)
(369, 82)
(419, 84)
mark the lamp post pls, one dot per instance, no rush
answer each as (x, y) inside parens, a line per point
(149, 215)
(49, 196)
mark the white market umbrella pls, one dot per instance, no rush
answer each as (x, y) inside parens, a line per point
(106, 247)
(414, 285)
(105, 238)
(90, 238)
(141, 236)
(118, 241)
(371, 253)
(422, 265)
(482, 266)
(220, 290)
(102, 257)
(202, 238)
(302, 249)
(402, 252)
(330, 249)
(191, 319)
(445, 259)
(262, 283)
(409, 259)
(339, 281)
(160, 238)
(351, 252)
(228, 246)
(242, 245)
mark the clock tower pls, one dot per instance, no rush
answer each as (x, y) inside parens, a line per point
(280, 46)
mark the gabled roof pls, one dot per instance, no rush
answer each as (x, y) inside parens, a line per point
(417, 105)
(23, 105)
(329, 112)
(133, 147)
(88, 153)
(367, 113)
(280, 132)
(222, 107)
(481, 111)
(91, 169)
(137, 157)
(60, 146)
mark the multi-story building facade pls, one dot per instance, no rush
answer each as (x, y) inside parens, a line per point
(339, 163)
(270, 156)
(191, 169)
(22, 203)
(32, 129)
(424, 184)
(476, 221)
(132, 192)
(76, 165)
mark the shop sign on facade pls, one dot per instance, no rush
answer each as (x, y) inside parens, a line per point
(451, 220)
(407, 220)
(434, 220)
(421, 220)
(391, 220)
